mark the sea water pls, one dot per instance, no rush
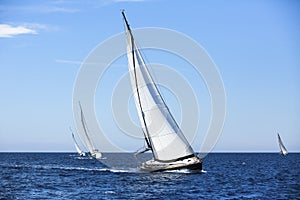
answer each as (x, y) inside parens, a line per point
(225, 176)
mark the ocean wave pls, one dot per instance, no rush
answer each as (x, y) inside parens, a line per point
(105, 169)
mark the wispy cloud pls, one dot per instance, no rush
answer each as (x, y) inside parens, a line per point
(75, 62)
(61, 6)
(39, 8)
(8, 31)
(37, 26)
(52, 9)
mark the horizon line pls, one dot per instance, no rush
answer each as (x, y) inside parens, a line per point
(149, 152)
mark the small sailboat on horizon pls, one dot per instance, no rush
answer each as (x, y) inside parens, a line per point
(79, 151)
(163, 137)
(283, 150)
(95, 153)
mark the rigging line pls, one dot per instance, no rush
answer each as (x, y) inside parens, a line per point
(138, 94)
(165, 105)
(136, 83)
(179, 132)
(150, 68)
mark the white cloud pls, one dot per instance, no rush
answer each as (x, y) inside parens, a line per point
(42, 8)
(75, 62)
(69, 61)
(7, 31)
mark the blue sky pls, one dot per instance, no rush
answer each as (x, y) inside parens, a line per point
(255, 45)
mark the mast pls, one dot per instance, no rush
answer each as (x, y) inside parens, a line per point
(89, 142)
(161, 131)
(146, 135)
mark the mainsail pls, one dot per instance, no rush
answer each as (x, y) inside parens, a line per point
(79, 151)
(87, 140)
(281, 146)
(162, 134)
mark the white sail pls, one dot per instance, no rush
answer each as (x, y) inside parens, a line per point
(281, 146)
(79, 151)
(161, 131)
(87, 140)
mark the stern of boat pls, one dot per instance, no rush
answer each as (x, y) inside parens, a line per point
(193, 163)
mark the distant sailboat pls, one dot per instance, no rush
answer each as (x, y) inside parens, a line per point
(79, 151)
(95, 153)
(283, 150)
(163, 136)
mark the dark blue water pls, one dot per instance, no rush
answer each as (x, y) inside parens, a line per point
(227, 176)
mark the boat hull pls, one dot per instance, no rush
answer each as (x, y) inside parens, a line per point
(193, 163)
(82, 154)
(96, 155)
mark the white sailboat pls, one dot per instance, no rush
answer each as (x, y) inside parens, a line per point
(283, 150)
(163, 136)
(79, 151)
(95, 153)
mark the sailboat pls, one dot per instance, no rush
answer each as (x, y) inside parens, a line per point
(79, 151)
(283, 150)
(95, 153)
(163, 137)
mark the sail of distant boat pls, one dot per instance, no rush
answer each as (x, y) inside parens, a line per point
(87, 140)
(79, 151)
(161, 132)
(283, 150)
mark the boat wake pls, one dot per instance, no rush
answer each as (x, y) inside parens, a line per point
(83, 158)
(105, 169)
(88, 158)
(139, 171)
(185, 171)
(57, 167)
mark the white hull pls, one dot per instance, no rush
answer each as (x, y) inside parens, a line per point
(284, 152)
(193, 163)
(81, 153)
(96, 155)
